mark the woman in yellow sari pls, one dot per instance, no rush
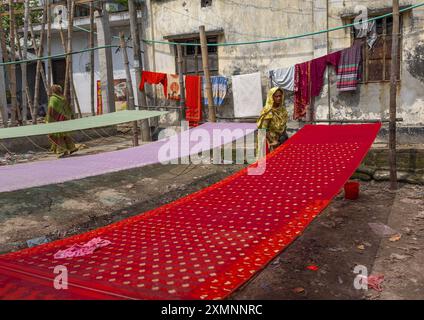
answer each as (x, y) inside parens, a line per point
(59, 110)
(274, 119)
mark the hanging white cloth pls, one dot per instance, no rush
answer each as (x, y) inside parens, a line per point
(247, 95)
(283, 78)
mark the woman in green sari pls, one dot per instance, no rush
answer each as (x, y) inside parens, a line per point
(59, 110)
(274, 119)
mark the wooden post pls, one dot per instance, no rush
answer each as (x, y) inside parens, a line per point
(27, 97)
(105, 58)
(91, 41)
(129, 85)
(68, 92)
(393, 95)
(3, 100)
(328, 69)
(3, 85)
(138, 66)
(181, 80)
(38, 71)
(36, 48)
(49, 47)
(62, 37)
(24, 65)
(205, 61)
(12, 75)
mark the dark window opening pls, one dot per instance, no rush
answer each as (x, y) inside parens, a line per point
(376, 60)
(192, 56)
(205, 3)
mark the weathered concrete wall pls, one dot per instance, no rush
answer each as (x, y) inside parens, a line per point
(241, 21)
(253, 20)
(371, 101)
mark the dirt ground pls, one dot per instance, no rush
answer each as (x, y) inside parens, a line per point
(336, 241)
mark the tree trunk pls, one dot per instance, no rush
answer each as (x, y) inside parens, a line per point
(68, 92)
(129, 85)
(36, 48)
(138, 67)
(49, 47)
(12, 75)
(24, 65)
(91, 40)
(39, 69)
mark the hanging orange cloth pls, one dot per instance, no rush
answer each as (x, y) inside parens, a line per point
(154, 78)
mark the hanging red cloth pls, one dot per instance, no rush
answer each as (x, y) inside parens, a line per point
(318, 67)
(302, 92)
(193, 99)
(154, 78)
(308, 81)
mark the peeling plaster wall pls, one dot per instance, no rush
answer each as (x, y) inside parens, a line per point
(241, 21)
(371, 101)
(266, 19)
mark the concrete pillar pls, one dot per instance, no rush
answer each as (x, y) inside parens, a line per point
(105, 60)
(3, 100)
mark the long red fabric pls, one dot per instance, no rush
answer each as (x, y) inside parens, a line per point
(193, 100)
(205, 245)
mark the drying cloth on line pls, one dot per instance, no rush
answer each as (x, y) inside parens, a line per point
(283, 78)
(368, 30)
(207, 244)
(219, 90)
(247, 94)
(193, 86)
(318, 67)
(108, 119)
(79, 250)
(154, 78)
(174, 89)
(35, 174)
(302, 89)
(349, 70)
(309, 81)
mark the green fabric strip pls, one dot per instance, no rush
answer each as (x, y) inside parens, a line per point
(105, 120)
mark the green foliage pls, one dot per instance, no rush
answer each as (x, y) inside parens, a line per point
(35, 17)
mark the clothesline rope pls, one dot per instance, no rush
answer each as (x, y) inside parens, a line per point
(225, 44)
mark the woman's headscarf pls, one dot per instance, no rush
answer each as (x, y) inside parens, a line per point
(268, 110)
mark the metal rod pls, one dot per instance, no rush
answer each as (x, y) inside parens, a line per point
(354, 121)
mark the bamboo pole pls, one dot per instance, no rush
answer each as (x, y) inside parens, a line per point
(68, 92)
(27, 92)
(49, 47)
(24, 65)
(12, 75)
(39, 69)
(205, 61)
(393, 95)
(129, 85)
(62, 37)
(36, 48)
(138, 66)
(181, 80)
(5, 56)
(91, 41)
(3, 100)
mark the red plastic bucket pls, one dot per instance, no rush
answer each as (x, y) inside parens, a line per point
(351, 189)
